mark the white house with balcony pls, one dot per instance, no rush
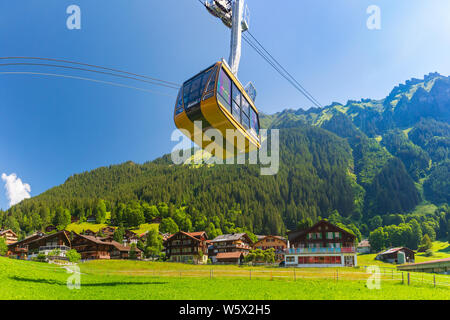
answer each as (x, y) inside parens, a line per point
(322, 245)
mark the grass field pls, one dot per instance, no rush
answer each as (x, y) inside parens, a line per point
(145, 227)
(152, 280)
(440, 249)
(80, 227)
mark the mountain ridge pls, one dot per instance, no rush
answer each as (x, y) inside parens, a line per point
(361, 159)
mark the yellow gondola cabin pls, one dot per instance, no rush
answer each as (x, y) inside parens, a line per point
(217, 99)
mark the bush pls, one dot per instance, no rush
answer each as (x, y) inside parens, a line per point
(73, 256)
(41, 257)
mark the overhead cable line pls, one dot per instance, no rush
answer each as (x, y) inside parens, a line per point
(94, 66)
(287, 72)
(85, 79)
(283, 74)
(265, 54)
(88, 70)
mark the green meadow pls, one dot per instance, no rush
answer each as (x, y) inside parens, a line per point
(152, 280)
(441, 250)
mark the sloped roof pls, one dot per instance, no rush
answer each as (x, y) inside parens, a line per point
(364, 243)
(259, 237)
(113, 243)
(36, 235)
(228, 255)
(192, 235)
(198, 233)
(394, 250)
(429, 262)
(64, 232)
(5, 231)
(292, 235)
(230, 237)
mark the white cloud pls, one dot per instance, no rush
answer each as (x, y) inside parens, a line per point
(16, 190)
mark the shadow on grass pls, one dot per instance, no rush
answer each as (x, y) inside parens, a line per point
(99, 284)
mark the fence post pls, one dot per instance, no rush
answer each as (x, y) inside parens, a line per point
(271, 277)
(337, 275)
(403, 279)
(409, 278)
(295, 276)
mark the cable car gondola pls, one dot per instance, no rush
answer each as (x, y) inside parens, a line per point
(217, 99)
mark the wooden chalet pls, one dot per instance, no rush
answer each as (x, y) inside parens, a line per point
(48, 244)
(277, 243)
(392, 255)
(129, 238)
(230, 257)
(186, 246)
(322, 245)
(363, 246)
(19, 249)
(164, 236)
(235, 242)
(91, 247)
(119, 251)
(9, 236)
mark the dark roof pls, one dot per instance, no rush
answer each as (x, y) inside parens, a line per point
(292, 235)
(64, 232)
(29, 238)
(231, 237)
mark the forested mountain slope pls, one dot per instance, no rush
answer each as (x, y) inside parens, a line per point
(359, 160)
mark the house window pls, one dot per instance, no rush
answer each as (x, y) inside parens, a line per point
(290, 259)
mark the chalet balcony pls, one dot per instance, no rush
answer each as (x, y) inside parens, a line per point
(51, 248)
(320, 250)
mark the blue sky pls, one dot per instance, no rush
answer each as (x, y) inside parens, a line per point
(52, 128)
